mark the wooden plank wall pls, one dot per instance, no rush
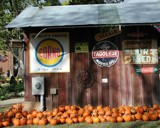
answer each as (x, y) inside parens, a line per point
(124, 86)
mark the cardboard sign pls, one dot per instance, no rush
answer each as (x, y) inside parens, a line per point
(140, 52)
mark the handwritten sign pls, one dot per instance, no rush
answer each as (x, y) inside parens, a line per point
(140, 52)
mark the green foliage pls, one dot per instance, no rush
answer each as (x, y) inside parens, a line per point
(7, 90)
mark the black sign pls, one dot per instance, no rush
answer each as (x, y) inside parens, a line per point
(105, 54)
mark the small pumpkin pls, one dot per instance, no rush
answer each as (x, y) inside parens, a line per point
(89, 120)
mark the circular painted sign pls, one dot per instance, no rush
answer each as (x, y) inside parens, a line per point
(49, 52)
(105, 54)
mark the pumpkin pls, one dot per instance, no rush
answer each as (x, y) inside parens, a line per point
(140, 110)
(120, 119)
(86, 113)
(88, 120)
(95, 119)
(114, 110)
(113, 119)
(67, 107)
(23, 121)
(127, 118)
(39, 115)
(90, 108)
(25, 113)
(81, 119)
(80, 111)
(34, 113)
(145, 108)
(35, 121)
(10, 114)
(99, 107)
(53, 121)
(18, 115)
(108, 113)
(153, 117)
(1, 125)
(62, 120)
(16, 122)
(155, 106)
(42, 121)
(5, 123)
(29, 121)
(138, 116)
(145, 117)
(75, 119)
(102, 119)
(115, 114)
(101, 112)
(69, 121)
(61, 108)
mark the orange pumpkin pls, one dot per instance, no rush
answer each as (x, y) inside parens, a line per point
(127, 118)
(29, 121)
(69, 121)
(81, 119)
(53, 121)
(23, 121)
(120, 119)
(138, 116)
(89, 120)
(95, 119)
(16, 122)
(145, 117)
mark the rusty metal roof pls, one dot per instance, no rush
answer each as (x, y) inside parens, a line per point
(83, 15)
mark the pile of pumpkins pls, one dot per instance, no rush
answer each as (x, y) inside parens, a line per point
(69, 114)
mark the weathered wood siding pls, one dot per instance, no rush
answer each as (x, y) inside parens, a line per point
(124, 86)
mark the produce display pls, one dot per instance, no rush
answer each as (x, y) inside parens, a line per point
(69, 114)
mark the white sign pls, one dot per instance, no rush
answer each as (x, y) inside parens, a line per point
(49, 53)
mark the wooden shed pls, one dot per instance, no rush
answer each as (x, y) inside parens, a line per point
(103, 54)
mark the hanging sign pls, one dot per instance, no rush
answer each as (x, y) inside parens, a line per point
(140, 52)
(105, 54)
(146, 70)
(108, 34)
(49, 53)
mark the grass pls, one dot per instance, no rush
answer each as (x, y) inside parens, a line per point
(135, 124)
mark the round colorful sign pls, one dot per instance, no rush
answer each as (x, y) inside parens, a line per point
(49, 52)
(105, 54)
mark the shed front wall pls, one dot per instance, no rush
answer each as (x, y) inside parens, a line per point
(124, 86)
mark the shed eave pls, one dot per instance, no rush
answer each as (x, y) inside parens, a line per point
(88, 15)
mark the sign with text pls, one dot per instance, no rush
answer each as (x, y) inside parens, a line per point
(140, 52)
(49, 53)
(146, 70)
(105, 54)
(108, 34)
(81, 47)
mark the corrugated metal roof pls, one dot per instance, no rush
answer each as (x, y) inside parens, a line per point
(97, 14)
